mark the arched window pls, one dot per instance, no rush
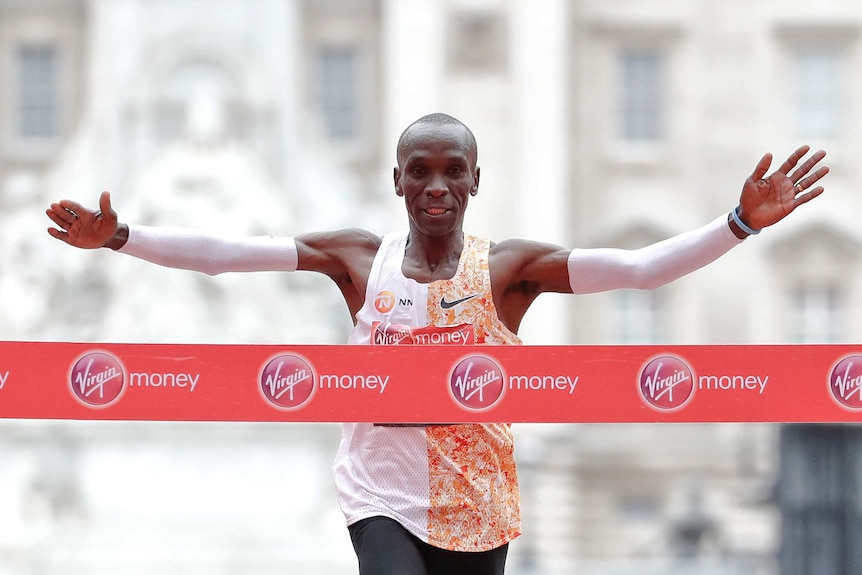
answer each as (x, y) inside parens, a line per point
(194, 101)
(814, 267)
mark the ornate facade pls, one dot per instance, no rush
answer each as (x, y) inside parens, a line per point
(617, 122)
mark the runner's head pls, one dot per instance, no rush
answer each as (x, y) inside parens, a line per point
(432, 120)
(436, 173)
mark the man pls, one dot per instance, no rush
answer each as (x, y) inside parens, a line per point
(442, 499)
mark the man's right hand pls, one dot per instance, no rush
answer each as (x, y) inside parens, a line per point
(85, 228)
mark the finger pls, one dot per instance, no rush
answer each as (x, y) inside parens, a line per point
(105, 202)
(762, 167)
(72, 206)
(60, 215)
(55, 233)
(793, 159)
(808, 196)
(809, 181)
(802, 170)
(58, 219)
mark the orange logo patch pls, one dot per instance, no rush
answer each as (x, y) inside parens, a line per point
(384, 302)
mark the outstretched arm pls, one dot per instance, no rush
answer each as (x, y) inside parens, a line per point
(527, 269)
(764, 201)
(171, 247)
(345, 256)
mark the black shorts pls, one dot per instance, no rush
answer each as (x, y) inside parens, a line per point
(384, 547)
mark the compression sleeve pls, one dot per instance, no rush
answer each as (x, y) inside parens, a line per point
(602, 269)
(211, 254)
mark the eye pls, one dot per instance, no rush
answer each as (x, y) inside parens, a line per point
(456, 171)
(418, 171)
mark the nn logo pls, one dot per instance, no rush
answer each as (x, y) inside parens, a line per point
(97, 379)
(845, 382)
(666, 383)
(384, 302)
(477, 382)
(287, 381)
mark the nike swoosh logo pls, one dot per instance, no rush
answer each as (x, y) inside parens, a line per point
(450, 304)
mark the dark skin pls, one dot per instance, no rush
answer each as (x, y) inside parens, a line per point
(436, 176)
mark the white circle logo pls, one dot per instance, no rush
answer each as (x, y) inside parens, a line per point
(287, 381)
(666, 383)
(477, 382)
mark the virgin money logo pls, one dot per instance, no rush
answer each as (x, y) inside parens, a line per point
(287, 381)
(388, 333)
(97, 379)
(477, 382)
(845, 382)
(666, 383)
(384, 302)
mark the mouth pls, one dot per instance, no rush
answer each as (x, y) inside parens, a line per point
(436, 211)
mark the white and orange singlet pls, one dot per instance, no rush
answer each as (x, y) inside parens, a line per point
(452, 486)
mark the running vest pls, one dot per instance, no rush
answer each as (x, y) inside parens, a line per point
(452, 486)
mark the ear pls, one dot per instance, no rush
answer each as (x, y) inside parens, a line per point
(475, 189)
(396, 176)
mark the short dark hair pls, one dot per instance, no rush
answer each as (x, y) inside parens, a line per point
(437, 119)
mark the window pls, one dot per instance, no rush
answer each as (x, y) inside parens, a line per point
(641, 508)
(169, 121)
(477, 43)
(339, 92)
(637, 317)
(641, 95)
(192, 101)
(38, 109)
(817, 92)
(816, 314)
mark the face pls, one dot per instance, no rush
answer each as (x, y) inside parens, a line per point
(436, 175)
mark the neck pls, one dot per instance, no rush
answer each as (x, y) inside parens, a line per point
(433, 257)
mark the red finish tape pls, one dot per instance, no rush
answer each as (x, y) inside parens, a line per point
(427, 384)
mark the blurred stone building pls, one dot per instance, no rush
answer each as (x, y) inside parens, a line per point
(612, 123)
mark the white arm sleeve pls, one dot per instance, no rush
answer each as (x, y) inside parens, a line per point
(209, 253)
(603, 269)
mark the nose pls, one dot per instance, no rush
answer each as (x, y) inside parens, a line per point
(437, 187)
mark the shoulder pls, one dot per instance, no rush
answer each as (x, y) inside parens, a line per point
(333, 252)
(346, 239)
(519, 249)
(529, 265)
